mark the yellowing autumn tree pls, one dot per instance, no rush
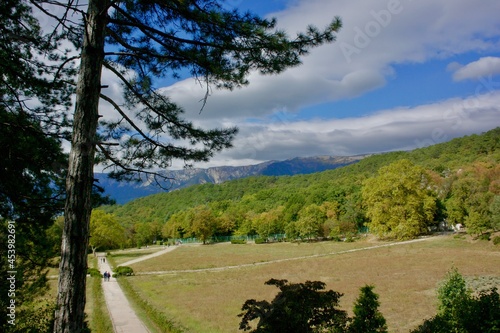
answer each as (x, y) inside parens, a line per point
(204, 223)
(399, 201)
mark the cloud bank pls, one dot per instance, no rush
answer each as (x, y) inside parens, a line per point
(376, 35)
(385, 130)
(377, 38)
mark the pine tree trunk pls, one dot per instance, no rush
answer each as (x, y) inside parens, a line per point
(69, 316)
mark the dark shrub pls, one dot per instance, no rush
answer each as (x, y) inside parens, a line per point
(260, 241)
(94, 272)
(123, 271)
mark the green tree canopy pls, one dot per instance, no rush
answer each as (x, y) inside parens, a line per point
(472, 194)
(462, 311)
(33, 106)
(269, 223)
(399, 202)
(310, 221)
(367, 318)
(298, 307)
(495, 212)
(204, 223)
(105, 231)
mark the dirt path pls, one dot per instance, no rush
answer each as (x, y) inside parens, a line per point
(215, 269)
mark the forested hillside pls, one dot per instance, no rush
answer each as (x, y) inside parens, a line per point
(457, 182)
(124, 192)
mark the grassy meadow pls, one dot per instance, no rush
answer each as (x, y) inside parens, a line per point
(202, 288)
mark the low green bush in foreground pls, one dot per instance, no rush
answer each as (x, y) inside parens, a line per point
(461, 311)
(308, 308)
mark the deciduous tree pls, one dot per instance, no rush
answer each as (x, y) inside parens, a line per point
(471, 197)
(310, 221)
(495, 212)
(105, 231)
(399, 201)
(269, 223)
(298, 307)
(204, 223)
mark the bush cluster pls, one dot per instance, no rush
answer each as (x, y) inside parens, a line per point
(94, 272)
(123, 271)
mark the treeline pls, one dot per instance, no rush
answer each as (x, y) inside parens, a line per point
(396, 195)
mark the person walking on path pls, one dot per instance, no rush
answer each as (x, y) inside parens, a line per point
(123, 317)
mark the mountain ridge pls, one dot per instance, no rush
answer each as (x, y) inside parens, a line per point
(124, 192)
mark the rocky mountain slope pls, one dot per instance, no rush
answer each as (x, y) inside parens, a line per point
(123, 192)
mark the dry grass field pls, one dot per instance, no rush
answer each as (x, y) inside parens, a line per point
(405, 276)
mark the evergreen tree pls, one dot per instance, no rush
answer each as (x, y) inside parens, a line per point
(152, 39)
(460, 311)
(34, 96)
(454, 298)
(367, 318)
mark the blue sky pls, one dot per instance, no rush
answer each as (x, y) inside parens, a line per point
(402, 74)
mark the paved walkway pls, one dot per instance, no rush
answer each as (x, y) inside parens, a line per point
(123, 317)
(149, 256)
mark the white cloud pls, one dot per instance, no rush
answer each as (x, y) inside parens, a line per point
(484, 67)
(386, 130)
(376, 35)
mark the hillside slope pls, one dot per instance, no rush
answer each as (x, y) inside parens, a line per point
(123, 192)
(470, 161)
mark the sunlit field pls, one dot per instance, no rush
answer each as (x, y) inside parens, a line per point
(122, 256)
(405, 276)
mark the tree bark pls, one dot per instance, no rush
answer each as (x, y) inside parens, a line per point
(69, 316)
